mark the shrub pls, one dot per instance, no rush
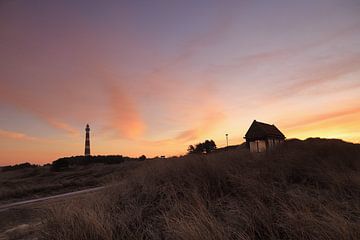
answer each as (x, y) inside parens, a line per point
(60, 164)
(205, 147)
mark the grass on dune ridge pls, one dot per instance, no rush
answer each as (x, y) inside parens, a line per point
(303, 190)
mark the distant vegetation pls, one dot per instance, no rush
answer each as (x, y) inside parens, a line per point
(65, 163)
(142, 158)
(25, 181)
(302, 190)
(18, 166)
(28, 183)
(204, 147)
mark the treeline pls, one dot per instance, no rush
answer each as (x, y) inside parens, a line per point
(64, 163)
(18, 166)
(67, 162)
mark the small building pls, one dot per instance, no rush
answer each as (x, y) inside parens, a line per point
(262, 137)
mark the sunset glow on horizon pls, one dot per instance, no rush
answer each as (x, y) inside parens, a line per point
(152, 77)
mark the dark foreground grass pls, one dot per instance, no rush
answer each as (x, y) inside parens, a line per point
(303, 190)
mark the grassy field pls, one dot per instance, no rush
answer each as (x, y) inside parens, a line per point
(303, 190)
(41, 181)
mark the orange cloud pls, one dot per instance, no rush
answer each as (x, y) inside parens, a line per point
(323, 117)
(62, 126)
(37, 107)
(211, 121)
(207, 126)
(342, 124)
(124, 114)
(16, 135)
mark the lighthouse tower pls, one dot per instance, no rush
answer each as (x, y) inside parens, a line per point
(87, 140)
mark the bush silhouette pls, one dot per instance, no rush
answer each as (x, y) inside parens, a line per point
(60, 164)
(142, 158)
(205, 147)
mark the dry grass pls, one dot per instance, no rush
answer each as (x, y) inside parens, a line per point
(304, 190)
(41, 181)
(19, 223)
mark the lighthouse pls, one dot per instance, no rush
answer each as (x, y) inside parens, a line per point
(87, 140)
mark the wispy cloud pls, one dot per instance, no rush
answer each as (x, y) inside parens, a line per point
(283, 54)
(157, 92)
(209, 123)
(200, 41)
(317, 75)
(125, 116)
(40, 108)
(17, 135)
(62, 126)
(326, 116)
(164, 77)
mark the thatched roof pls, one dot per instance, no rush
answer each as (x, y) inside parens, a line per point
(259, 130)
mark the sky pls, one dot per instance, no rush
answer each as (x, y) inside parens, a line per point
(152, 77)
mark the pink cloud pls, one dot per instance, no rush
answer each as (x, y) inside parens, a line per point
(323, 117)
(34, 107)
(62, 126)
(17, 135)
(266, 57)
(125, 116)
(316, 75)
(210, 122)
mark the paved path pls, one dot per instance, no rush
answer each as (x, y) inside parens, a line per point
(21, 203)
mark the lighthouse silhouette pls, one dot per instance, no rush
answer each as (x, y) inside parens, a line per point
(87, 140)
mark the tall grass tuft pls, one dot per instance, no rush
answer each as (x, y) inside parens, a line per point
(302, 190)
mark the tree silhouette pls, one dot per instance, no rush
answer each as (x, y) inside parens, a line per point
(191, 149)
(142, 158)
(204, 147)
